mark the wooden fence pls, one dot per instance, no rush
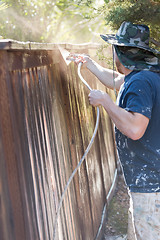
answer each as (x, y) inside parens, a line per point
(46, 123)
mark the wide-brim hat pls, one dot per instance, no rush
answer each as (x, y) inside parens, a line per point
(137, 58)
(131, 35)
(131, 44)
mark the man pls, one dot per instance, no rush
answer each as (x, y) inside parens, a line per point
(137, 122)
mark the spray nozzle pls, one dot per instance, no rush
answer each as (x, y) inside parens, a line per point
(76, 58)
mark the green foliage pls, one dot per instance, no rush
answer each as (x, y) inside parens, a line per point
(3, 6)
(104, 53)
(51, 21)
(74, 21)
(136, 11)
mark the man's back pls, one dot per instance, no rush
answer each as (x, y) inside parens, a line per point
(141, 158)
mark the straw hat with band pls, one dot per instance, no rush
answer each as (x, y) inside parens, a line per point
(131, 44)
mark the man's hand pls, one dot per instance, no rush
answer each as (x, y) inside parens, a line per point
(77, 58)
(96, 97)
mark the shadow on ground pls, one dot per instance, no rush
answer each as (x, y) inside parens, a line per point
(117, 219)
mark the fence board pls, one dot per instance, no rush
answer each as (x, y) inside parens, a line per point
(46, 123)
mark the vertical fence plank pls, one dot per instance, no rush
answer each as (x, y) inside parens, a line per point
(9, 148)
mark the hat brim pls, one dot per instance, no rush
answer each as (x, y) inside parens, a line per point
(138, 60)
(111, 38)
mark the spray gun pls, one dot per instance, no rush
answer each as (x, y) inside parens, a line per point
(80, 60)
(76, 58)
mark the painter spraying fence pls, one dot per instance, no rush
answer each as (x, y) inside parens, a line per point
(46, 124)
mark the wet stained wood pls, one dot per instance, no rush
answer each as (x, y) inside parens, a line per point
(46, 123)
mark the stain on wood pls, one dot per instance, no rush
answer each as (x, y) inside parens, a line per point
(46, 123)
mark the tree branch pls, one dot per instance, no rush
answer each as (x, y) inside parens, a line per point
(155, 42)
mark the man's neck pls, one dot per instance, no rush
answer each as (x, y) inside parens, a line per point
(126, 71)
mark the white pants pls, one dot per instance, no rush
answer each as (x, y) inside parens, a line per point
(144, 216)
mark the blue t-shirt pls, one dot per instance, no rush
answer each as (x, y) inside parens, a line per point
(140, 159)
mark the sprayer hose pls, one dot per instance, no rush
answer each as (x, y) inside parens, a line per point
(82, 159)
(79, 164)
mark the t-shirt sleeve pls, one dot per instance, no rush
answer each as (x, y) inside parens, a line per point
(139, 97)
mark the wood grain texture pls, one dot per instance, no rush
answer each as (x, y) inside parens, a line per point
(46, 123)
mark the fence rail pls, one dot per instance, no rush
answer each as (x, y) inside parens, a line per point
(46, 124)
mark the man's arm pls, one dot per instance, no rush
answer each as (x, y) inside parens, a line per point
(105, 75)
(131, 124)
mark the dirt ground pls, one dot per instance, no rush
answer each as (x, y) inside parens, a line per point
(118, 211)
